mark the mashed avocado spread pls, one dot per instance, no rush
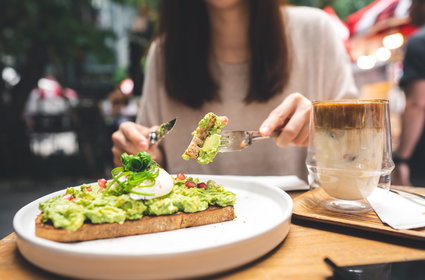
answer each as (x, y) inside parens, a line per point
(110, 202)
(90, 203)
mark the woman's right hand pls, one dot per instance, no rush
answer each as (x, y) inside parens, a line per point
(292, 119)
(132, 138)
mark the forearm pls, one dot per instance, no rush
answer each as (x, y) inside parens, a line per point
(412, 127)
(413, 119)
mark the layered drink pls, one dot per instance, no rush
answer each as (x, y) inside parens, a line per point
(348, 140)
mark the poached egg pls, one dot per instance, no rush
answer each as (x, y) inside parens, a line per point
(163, 185)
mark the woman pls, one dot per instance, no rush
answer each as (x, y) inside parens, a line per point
(243, 59)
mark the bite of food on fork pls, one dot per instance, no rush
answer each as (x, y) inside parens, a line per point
(205, 142)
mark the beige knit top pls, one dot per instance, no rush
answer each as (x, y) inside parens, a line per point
(320, 70)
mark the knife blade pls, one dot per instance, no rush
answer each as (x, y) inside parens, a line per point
(163, 129)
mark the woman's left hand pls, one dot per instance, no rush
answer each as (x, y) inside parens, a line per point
(291, 118)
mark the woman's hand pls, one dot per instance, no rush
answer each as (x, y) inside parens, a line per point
(291, 118)
(133, 138)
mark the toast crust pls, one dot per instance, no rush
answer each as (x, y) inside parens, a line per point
(199, 138)
(147, 224)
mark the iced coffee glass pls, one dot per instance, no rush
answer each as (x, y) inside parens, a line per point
(349, 153)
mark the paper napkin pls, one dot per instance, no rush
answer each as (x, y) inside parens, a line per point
(286, 183)
(397, 211)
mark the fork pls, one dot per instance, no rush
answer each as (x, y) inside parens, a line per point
(237, 140)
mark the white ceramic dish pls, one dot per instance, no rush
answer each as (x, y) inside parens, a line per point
(263, 219)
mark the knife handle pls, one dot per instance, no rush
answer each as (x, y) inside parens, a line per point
(153, 137)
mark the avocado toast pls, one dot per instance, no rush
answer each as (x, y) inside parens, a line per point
(206, 139)
(140, 198)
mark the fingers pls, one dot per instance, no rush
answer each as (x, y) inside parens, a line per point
(117, 155)
(224, 119)
(130, 138)
(128, 141)
(279, 116)
(291, 118)
(148, 130)
(295, 132)
(135, 135)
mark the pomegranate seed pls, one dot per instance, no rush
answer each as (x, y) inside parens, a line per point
(181, 176)
(101, 182)
(88, 189)
(190, 184)
(68, 197)
(202, 186)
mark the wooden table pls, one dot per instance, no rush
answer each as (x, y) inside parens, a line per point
(300, 256)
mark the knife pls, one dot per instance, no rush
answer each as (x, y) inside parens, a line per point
(163, 129)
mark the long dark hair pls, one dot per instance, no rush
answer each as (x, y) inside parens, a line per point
(185, 31)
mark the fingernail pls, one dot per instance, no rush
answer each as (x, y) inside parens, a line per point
(265, 130)
(143, 143)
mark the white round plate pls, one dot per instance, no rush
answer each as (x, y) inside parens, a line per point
(263, 216)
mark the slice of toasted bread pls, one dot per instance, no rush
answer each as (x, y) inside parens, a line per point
(199, 138)
(147, 224)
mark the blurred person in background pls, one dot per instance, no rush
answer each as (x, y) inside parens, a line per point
(49, 99)
(257, 62)
(120, 106)
(412, 138)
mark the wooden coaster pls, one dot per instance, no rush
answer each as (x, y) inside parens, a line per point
(306, 207)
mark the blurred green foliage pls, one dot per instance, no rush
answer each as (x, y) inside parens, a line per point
(64, 27)
(119, 75)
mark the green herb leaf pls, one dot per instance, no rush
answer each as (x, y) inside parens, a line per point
(136, 163)
(138, 170)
